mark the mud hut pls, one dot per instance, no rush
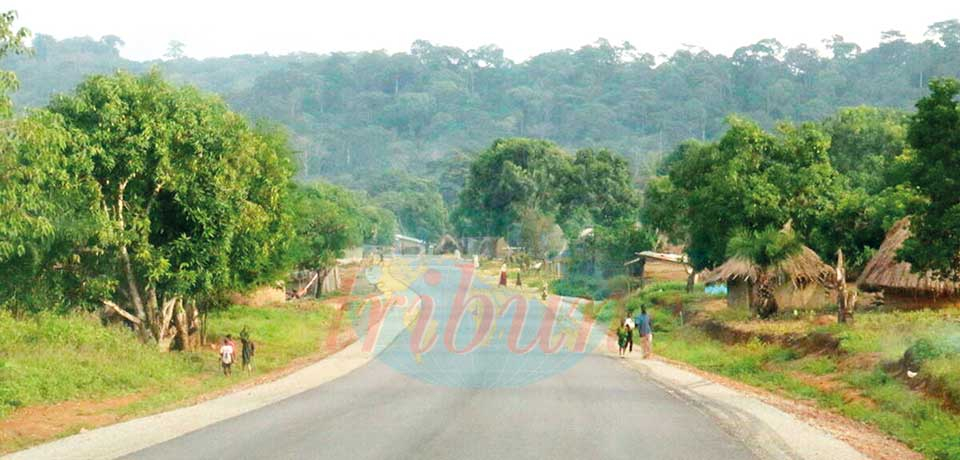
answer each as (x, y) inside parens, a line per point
(799, 281)
(447, 245)
(901, 286)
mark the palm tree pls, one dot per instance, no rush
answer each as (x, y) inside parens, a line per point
(768, 250)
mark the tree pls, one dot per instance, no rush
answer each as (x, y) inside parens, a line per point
(748, 180)
(767, 250)
(328, 221)
(11, 42)
(50, 221)
(600, 185)
(192, 195)
(510, 176)
(416, 203)
(540, 235)
(175, 50)
(864, 144)
(934, 134)
(515, 175)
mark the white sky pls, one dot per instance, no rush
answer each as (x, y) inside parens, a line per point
(521, 27)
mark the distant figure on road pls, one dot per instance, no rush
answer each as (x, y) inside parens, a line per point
(226, 356)
(645, 328)
(503, 275)
(630, 326)
(476, 261)
(519, 283)
(622, 334)
(247, 349)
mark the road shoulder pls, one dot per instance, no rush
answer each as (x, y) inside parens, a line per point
(767, 430)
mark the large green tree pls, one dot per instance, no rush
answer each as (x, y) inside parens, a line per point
(509, 177)
(935, 170)
(749, 180)
(192, 195)
(517, 175)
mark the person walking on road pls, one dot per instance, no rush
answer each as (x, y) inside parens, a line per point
(622, 334)
(630, 326)
(226, 356)
(645, 328)
(503, 275)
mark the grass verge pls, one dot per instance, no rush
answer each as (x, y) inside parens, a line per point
(862, 380)
(54, 366)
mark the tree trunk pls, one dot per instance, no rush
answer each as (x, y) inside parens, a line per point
(846, 299)
(691, 279)
(763, 301)
(182, 341)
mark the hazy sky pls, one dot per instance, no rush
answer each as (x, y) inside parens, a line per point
(521, 27)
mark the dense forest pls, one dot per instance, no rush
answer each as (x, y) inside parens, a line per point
(352, 114)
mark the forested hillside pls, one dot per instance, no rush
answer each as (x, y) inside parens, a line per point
(355, 113)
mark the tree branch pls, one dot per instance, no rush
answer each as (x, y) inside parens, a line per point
(116, 308)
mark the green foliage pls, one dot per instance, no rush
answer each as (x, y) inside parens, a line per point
(509, 177)
(765, 248)
(935, 136)
(416, 203)
(330, 219)
(48, 216)
(193, 194)
(749, 180)
(514, 176)
(11, 41)
(609, 247)
(864, 144)
(540, 235)
(582, 286)
(354, 113)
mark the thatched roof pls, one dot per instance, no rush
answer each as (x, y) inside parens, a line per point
(447, 244)
(803, 268)
(885, 272)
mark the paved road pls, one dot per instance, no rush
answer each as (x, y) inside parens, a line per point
(476, 405)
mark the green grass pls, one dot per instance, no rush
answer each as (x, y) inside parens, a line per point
(920, 421)
(48, 358)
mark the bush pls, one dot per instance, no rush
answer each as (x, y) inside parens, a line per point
(586, 287)
(621, 285)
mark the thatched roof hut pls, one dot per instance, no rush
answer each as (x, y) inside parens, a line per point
(884, 272)
(446, 245)
(802, 269)
(800, 280)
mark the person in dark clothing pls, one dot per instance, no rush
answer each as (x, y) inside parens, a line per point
(631, 326)
(622, 334)
(247, 350)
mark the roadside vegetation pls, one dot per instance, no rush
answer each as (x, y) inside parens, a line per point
(856, 370)
(47, 359)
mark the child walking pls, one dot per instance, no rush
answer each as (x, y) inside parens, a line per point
(622, 333)
(226, 356)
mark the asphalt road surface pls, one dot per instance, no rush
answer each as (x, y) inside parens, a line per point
(453, 402)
